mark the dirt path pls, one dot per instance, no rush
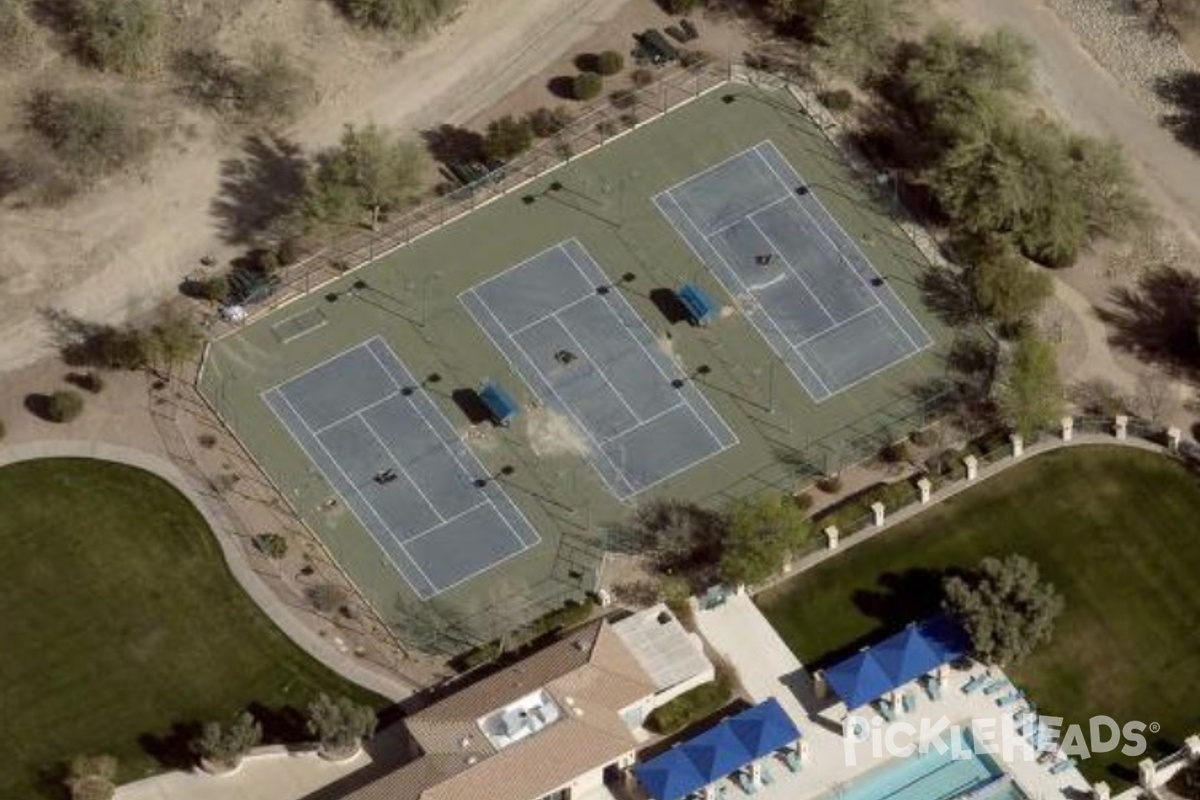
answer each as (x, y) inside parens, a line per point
(121, 250)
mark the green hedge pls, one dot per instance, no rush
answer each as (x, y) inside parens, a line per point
(689, 707)
(857, 507)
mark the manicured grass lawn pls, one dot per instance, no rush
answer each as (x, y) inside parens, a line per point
(120, 628)
(1117, 530)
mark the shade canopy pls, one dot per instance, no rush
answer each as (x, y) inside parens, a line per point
(719, 751)
(901, 658)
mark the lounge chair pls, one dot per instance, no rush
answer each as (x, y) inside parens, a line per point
(933, 687)
(998, 685)
(791, 760)
(767, 777)
(887, 710)
(974, 684)
(745, 784)
(1008, 699)
(722, 790)
(908, 701)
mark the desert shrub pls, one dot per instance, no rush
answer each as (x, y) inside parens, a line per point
(586, 86)
(804, 501)
(92, 777)
(545, 122)
(689, 707)
(214, 288)
(89, 133)
(207, 440)
(896, 452)
(64, 406)
(607, 127)
(116, 35)
(88, 381)
(830, 484)
(327, 597)
(610, 62)
(408, 16)
(693, 59)
(271, 88)
(836, 99)
(272, 545)
(641, 78)
(925, 437)
(623, 99)
(507, 137)
(15, 31)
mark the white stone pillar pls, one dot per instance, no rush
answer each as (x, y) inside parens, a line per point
(1173, 437)
(1068, 428)
(756, 773)
(972, 465)
(820, 684)
(831, 536)
(805, 751)
(1192, 744)
(1101, 791)
(1122, 426)
(878, 510)
(1146, 773)
(925, 487)
(1018, 444)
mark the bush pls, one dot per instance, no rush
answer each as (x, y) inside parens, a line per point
(116, 35)
(64, 406)
(224, 746)
(925, 437)
(896, 453)
(690, 707)
(545, 122)
(507, 137)
(586, 86)
(830, 484)
(15, 31)
(90, 133)
(214, 288)
(804, 501)
(340, 725)
(623, 99)
(89, 381)
(610, 62)
(275, 547)
(92, 777)
(607, 127)
(641, 78)
(571, 614)
(409, 16)
(836, 99)
(327, 597)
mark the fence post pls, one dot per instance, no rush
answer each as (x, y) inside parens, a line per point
(1018, 444)
(878, 510)
(926, 489)
(1173, 437)
(972, 465)
(1122, 426)
(831, 537)
(1101, 791)
(1068, 428)
(1146, 773)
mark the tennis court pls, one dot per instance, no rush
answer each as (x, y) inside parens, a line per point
(585, 353)
(793, 271)
(398, 464)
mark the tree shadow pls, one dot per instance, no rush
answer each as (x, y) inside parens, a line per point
(285, 725)
(38, 404)
(1181, 89)
(587, 62)
(471, 405)
(91, 344)
(562, 87)
(450, 144)
(259, 189)
(947, 293)
(1157, 320)
(669, 305)
(172, 750)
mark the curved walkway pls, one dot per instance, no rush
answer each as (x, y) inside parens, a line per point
(283, 617)
(1046, 445)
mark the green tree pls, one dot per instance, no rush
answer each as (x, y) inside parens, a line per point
(340, 725)
(760, 534)
(1008, 290)
(64, 406)
(91, 134)
(546, 122)
(174, 338)
(1029, 394)
(369, 173)
(273, 87)
(1113, 206)
(272, 545)
(15, 31)
(92, 777)
(224, 747)
(1005, 607)
(586, 86)
(116, 35)
(507, 137)
(408, 16)
(855, 36)
(610, 62)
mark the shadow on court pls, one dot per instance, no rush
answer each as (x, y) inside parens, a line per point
(471, 405)
(669, 305)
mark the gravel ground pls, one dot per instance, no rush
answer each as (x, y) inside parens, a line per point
(1123, 44)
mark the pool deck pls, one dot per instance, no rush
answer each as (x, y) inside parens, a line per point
(767, 668)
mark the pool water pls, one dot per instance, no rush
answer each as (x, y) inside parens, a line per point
(934, 776)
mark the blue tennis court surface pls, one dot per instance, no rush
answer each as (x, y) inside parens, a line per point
(401, 468)
(585, 353)
(795, 273)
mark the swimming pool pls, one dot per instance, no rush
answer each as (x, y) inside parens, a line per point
(934, 776)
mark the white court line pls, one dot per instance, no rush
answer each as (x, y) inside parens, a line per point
(716, 272)
(771, 243)
(586, 431)
(758, 287)
(770, 319)
(518, 265)
(649, 355)
(353, 414)
(370, 530)
(599, 371)
(409, 478)
(445, 522)
(837, 249)
(748, 216)
(911, 352)
(317, 366)
(552, 315)
(646, 421)
(841, 324)
(671, 189)
(494, 564)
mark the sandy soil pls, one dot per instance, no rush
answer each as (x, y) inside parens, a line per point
(119, 250)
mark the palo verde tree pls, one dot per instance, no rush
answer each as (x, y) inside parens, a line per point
(852, 36)
(760, 534)
(1005, 607)
(1029, 394)
(369, 173)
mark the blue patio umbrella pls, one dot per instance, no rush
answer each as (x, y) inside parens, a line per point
(907, 655)
(764, 729)
(859, 679)
(670, 776)
(717, 752)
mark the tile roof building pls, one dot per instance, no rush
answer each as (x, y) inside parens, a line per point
(548, 726)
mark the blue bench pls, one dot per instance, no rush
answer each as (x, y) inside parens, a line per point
(499, 403)
(700, 307)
